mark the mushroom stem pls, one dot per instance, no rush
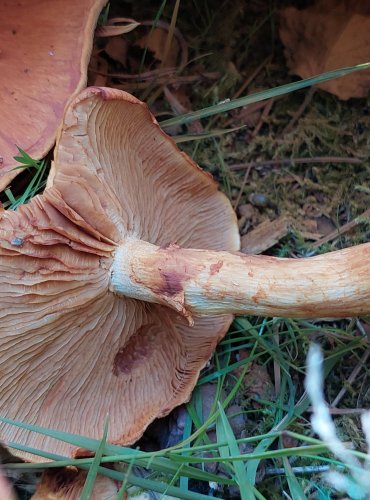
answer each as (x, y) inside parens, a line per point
(210, 282)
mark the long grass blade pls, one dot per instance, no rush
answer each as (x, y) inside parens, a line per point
(93, 471)
(296, 489)
(246, 489)
(261, 96)
(152, 460)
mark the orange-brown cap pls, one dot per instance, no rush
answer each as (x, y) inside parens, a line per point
(68, 483)
(44, 52)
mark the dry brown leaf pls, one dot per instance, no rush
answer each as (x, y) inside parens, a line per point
(116, 49)
(308, 229)
(98, 71)
(265, 235)
(155, 41)
(257, 382)
(329, 35)
(325, 225)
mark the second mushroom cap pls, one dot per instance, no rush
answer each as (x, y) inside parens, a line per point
(71, 350)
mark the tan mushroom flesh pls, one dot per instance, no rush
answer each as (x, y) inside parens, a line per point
(43, 45)
(119, 280)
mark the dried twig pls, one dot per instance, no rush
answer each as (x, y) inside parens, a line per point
(341, 411)
(250, 79)
(299, 112)
(343, 229)
(263, 117)
(236, 202)
(352, 377)
(292, 161)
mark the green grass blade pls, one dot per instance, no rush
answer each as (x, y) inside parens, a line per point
(184, 481)
(73, 439)
(204, 135)
(10, 196)
(145, 484)
(60, 461)
(125, 481)
(246, 489)
(300, 407)
(32, 187)
(25, 158)
(224, 450)
(295, 488)
(152, 485)
(152, 460)
(93, 471)
(261, 96)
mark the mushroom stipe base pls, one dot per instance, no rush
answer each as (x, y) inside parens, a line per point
(205, 282)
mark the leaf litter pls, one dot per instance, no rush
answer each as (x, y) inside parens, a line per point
(327, 35)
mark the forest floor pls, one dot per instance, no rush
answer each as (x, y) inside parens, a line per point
(296, 169)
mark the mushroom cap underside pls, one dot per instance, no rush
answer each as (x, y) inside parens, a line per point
(44, 53)
(71, 351)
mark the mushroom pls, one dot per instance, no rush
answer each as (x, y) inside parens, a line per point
(43, 45)
(119, 280)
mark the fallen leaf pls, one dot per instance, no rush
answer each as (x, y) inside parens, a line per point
(98, 71)
(308, 229)
(116, 49)
(325, 226)
(329, 35)
(247, 210)
(257, 382)
(310, 225)
(248, 216)
(155, 41)
(265, 235)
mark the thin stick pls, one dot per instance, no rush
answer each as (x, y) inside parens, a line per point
(343, 229)
(312, 469)
(299, 112)
(291, 161)
(277, 366)
(170, 34)
(250, 79)
(236, 202)
(263, 117)
(342, 411)
(352, 377)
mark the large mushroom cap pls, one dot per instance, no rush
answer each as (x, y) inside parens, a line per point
(44, 53)
(71, 351)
